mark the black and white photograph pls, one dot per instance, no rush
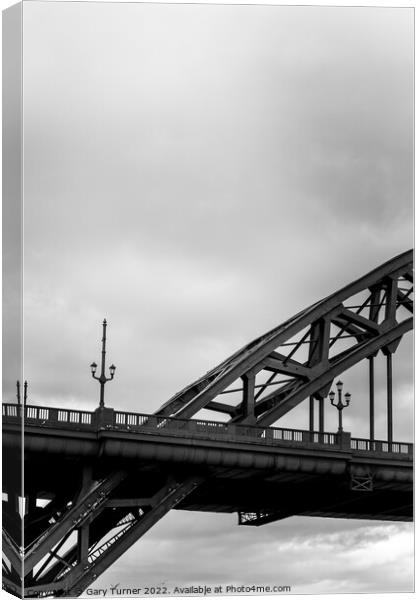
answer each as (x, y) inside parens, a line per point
(208, 216)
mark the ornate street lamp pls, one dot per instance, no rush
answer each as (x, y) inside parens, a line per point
(340, 404)
(102, 378)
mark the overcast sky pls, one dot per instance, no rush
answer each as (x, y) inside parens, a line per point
(196, 175)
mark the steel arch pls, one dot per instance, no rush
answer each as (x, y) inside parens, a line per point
(377, 321)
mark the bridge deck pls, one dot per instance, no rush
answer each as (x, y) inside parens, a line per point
(110, 420)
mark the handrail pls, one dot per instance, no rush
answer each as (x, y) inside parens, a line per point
(381, 446)
(48, 414)
(141, 422)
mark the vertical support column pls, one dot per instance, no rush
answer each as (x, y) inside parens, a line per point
(248, 398)
(321, 415)
(371, 398)
(311, 413)
(389, 394)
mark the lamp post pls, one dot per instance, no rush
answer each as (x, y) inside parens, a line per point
(25, 392)
(102, 378)
(340, 404)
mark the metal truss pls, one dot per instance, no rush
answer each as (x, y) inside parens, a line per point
(91, 536)
(300, 358)
(361, 483)
(256, 518)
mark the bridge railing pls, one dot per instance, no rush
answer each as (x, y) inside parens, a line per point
(138, 421)
(127, 421)
(11, 410)
(381, 446)
(46, 414)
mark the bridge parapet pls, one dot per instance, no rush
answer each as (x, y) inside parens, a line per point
(109, 419)
(45, 415)
(381, 446)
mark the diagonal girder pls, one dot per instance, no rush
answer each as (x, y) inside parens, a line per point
(405, 301)
(166, 502)
(361, 322)
(53, 577)
(278, 363)
(12, 586)
(73, 580)
(11, 550)
(92, 503)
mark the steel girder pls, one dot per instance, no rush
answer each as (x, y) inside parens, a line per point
(84, 511)
(103, 528)
(307, 351)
